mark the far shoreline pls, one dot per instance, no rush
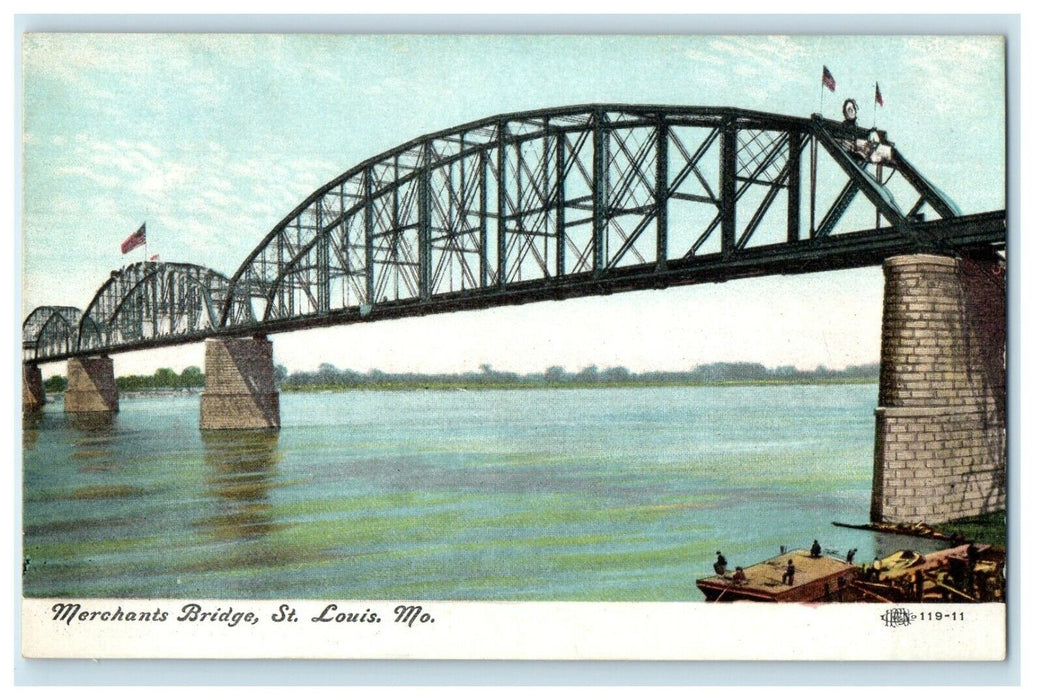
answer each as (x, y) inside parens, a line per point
(495, 386)
(492, 385)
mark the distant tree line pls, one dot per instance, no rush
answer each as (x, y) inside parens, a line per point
(329, 376)
(163, 378)
(55, 384)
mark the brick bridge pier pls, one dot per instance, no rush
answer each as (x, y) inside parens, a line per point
(940, 449)
(240, 391)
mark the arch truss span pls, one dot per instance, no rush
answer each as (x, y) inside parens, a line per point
(48, 331)
(572, 198)
(147, 303)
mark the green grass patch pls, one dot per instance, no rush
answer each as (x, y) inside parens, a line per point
(990, 528)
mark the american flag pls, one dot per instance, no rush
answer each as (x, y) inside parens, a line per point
(134, 240)
(879, 96)
(827, 80)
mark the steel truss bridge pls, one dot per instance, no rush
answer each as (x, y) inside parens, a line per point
(541, 205)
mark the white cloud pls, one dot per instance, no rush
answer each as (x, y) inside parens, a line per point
(777, 57)
(953, 66)
(161, 183)
(88, 173)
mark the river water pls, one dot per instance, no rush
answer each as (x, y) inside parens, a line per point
(567, 494)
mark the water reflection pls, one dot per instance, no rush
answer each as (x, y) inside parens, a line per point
(31, 423)
(94, 440)
(95, 423)
(242, 474)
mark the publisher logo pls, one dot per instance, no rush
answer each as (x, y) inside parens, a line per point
(896, 617)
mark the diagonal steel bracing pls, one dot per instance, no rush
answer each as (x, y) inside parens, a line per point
(539, 205)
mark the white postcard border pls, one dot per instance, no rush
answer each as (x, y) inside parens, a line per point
(33, 621)
(275, 629)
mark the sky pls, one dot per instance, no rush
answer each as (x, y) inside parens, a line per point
(212, 139)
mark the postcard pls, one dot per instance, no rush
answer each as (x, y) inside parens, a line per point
(514, 347)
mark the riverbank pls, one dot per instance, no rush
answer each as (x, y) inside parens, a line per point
(497, 385)
(988, 529)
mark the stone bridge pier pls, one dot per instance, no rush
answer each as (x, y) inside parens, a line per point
(240, 392)
(940, 449)
(92, 386)
(33, 394)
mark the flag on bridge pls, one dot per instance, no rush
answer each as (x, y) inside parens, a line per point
(154, 258)
(827, 80)
(879, 96)
(134, 240)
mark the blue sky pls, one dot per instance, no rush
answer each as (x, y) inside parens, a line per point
(212, 139)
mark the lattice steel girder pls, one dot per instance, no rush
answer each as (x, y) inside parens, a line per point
(971, 235)
(151, 300)
(976, 235)
(49, 329)
(879, 195)
(549, 199)
(612, 159)
(557, 200)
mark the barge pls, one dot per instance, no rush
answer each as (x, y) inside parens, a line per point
(816, 579)
(967, 573)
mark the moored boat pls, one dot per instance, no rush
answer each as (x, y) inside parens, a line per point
(816, 579)
(964, 574)
(907, 529)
